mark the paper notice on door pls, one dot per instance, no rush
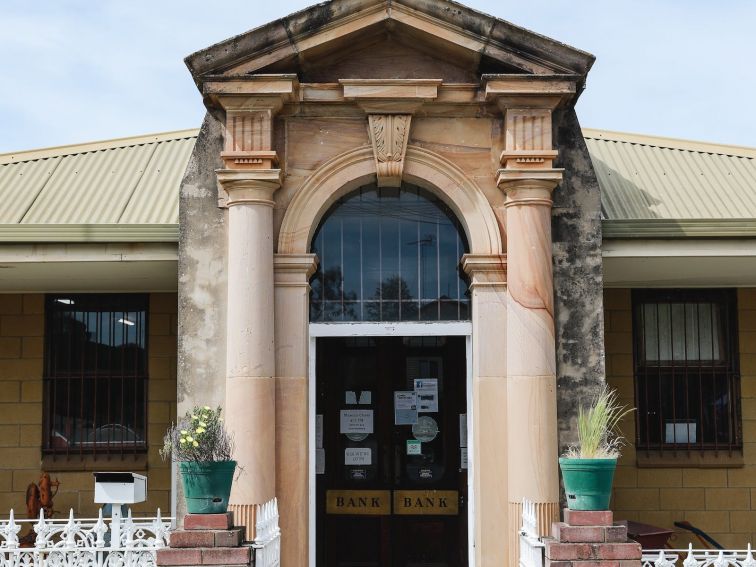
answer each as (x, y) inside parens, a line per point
(319, 461)
(426, 390)
(405, 408)
(414, 447)
(356, 421)
(319, 431)
(463, 457)
(366, 398)
(357, 456)
(463, 430)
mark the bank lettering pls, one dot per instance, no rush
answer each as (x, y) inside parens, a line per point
(426, 502)
(359, 502)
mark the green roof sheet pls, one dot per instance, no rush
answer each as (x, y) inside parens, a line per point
(127, 189)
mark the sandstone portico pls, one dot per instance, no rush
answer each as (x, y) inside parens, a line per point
(396, 116)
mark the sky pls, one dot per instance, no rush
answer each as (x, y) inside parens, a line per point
(83, 70)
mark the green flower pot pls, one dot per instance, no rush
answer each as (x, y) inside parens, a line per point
(207, 485)
(588, 482)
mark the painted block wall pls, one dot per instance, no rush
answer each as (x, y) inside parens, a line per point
(720, 501)
(21, 363)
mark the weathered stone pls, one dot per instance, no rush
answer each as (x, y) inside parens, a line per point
(578, 276)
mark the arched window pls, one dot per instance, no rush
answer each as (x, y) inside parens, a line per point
(389, 255)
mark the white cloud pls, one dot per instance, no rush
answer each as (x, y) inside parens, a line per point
(76, 70)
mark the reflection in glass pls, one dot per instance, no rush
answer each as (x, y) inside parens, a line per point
(95, 371)
(389, 255)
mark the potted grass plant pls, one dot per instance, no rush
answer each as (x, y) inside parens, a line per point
(588, 466)
(203, 448)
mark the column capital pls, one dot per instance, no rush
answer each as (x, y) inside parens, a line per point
(251, 103)
(519, 184)
(485, 270)
(528, 187)
(294, 269)
(247, 186)
(527, 103)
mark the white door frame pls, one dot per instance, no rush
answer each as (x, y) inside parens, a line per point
(400, 329)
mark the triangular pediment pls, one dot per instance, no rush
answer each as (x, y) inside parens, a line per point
(364, 38)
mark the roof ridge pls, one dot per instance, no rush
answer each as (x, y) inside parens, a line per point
(84, 147)
(670, 143)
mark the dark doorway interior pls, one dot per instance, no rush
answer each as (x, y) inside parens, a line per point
(392, 443)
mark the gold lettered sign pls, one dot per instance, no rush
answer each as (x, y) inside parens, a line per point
(359, 502)
(426, 502)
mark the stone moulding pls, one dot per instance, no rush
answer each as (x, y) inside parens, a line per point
(486, 270)
(390, 89)
(239, 186)
(355, 168)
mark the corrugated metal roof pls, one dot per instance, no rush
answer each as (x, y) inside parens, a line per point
(654, 187)
(129, 181)
(646, 177)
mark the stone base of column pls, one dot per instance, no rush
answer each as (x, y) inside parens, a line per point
(245, 515)
(546, 514)
(207, 539)
(590, 539)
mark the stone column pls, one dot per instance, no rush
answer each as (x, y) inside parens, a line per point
(531, 365)
(250, 357)
(292, 289)
(245, 187)
(528, 179)
(488, 458)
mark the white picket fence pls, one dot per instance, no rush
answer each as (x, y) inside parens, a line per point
(87, 542)
(532, 550)
(531, 546)
(698, 557)
(267, 544)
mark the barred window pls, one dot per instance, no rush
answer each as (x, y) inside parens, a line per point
(95, 381)
(687, 386)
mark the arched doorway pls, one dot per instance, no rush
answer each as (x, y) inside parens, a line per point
(484, 336)
(389, 313)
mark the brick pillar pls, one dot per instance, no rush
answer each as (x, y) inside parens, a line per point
(590, 539)
(207, 539)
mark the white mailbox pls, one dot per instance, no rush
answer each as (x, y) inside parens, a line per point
(120, 488)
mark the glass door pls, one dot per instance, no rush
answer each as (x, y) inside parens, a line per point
(391, 451)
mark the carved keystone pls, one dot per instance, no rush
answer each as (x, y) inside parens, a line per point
(389, 134)
(389, 104)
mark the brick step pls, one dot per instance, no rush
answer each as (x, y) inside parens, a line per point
(588, 517)
(209, 521)
(557, 551)
(564, 533)
(603, 563)
(207, 538)
(217, 556)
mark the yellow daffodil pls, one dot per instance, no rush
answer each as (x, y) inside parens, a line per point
(195, 444)
(189, 438)
(182, 441)
(207, 407)
(200, 430)
(184, 432)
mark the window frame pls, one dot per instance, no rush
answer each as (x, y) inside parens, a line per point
(727, 369)
(108, 303)
(409, 300)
